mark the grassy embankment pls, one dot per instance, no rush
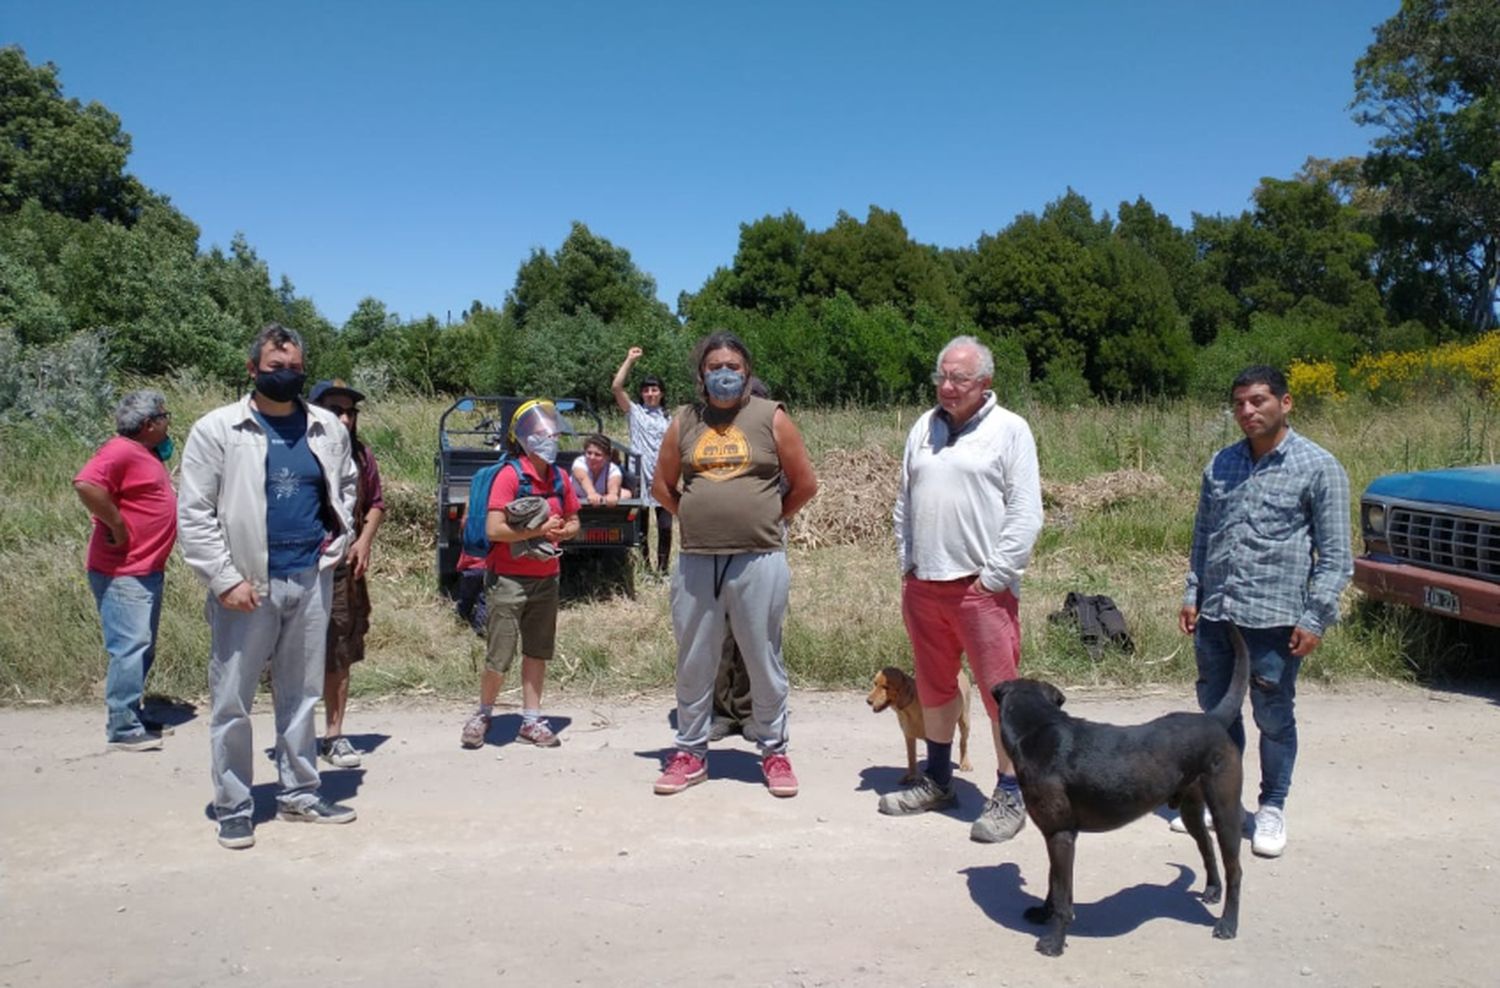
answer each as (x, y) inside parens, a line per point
(1128, 538)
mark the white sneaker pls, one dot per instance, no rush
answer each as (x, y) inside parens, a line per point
(1179, 827)
(1270, 832)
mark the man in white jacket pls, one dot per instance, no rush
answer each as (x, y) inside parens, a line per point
(265, 512)
(967, 515)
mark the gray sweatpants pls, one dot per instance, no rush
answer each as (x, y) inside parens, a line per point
(752, 592)
(290, 630)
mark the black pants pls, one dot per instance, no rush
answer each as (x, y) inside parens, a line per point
(663, 536)
(732, 684)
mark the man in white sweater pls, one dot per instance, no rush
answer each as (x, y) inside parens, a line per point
(967, 515)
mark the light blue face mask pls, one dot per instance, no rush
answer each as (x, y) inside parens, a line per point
(724, 384)
(544, 447)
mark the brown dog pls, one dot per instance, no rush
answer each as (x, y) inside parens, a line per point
(894, 688)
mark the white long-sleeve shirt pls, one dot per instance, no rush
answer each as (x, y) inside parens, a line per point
(970, 501)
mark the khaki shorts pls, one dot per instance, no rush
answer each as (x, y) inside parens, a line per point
(521, 609)
(348, 618)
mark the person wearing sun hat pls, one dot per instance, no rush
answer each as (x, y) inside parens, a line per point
(349, 615)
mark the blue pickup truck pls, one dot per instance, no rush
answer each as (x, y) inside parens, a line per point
(1432, 541)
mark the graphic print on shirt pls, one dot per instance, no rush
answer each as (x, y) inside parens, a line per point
(721, 455)
(284, 483)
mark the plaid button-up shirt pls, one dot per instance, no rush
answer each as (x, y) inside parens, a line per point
(1271, 539)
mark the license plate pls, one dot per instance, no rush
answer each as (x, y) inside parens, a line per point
(1438, 599)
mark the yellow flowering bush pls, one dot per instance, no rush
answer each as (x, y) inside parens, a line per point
(1314, 382)
(1449, 367)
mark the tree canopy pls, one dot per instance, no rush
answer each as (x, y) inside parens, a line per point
(1398, 249)
(1431, 83)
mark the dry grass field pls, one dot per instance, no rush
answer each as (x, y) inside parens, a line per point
(1120, 485)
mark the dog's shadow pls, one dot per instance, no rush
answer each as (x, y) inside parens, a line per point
(336, 786)
(998, 891)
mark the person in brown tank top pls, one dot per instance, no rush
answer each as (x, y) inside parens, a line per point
(733, 469)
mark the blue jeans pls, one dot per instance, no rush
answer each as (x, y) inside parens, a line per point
(1273, 693)
(129, 610)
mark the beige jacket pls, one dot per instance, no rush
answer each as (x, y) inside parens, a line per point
(221, 501)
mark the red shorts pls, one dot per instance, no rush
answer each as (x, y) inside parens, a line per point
(952, 618)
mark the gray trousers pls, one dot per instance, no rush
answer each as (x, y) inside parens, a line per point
(751, 594)
(290, 630)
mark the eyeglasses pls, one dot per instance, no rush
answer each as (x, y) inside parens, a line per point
(957, 380)
(348, 410)
(161, 415)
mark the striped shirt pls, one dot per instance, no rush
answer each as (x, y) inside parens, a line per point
(1271, 539)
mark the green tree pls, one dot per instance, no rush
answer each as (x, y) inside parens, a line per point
(67, 156)
(1301, 250)
(586, 273)
(1089, 307)
(877, 263)
(1431, 83)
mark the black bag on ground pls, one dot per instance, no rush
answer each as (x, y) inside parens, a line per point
(1098, 621)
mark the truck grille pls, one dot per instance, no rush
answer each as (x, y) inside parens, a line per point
(1450, 542)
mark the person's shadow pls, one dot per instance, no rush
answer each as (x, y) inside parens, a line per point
(726, 761)
(363, 743)
(735, 764)
(881, 779)
(337, 786)
(998, 891)
(506, 728)
(168, 711)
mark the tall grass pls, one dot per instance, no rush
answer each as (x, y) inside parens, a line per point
(844, 620)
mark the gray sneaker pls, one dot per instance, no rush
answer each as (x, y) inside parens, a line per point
(318, 811)
(925, 795)
(236, 833)
(1003, 816)
(140, 741)
(339, 752)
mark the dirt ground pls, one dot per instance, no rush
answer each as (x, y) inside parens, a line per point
(516, 865)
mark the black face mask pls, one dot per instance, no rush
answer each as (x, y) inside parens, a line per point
(282, 384)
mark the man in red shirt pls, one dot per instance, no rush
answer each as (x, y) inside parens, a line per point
(523, 581)
(126, 489)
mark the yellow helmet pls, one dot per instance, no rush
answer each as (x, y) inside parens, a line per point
(535, 417)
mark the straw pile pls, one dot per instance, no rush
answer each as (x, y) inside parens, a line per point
(856, 491)
(1066, 502)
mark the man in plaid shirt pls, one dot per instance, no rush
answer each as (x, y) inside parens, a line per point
(1270, 557)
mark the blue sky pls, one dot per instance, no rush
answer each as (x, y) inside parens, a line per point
(419, 152)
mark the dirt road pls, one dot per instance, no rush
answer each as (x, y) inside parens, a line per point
(514, 865)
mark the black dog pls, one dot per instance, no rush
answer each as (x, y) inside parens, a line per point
(1080, 776)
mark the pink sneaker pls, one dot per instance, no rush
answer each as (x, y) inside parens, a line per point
(538, 733)
(683, 769)
(780, 778)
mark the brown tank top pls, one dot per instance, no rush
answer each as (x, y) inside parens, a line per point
(731, 479)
